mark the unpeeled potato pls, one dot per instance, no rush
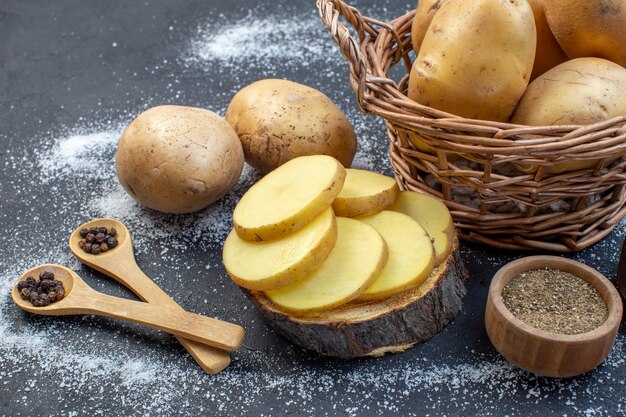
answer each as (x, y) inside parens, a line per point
(589, 28)
(577, 92)
(549, 53)
(476, 58)
(279, 120)
(424, 14)
(178, 159)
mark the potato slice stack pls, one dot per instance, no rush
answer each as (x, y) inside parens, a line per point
(287, 242)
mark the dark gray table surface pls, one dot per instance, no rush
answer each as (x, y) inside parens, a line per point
(72, 75)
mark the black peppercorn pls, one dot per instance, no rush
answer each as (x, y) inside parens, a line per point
(27, 283)
(41, 300)
(25, 293)
(98, 236)
(83, 233)
(46, 275)
(45, 286)
(43, 292)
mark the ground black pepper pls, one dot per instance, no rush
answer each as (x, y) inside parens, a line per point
(42, 292)
(555, 301)
(97, 240)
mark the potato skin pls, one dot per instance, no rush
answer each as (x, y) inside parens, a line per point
(278, 120)
(464, 69)
(577, 92)
(424, 13)
(178, 159)
(589, 28)
(549, 53)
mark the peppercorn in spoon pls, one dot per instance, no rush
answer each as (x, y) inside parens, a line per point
(79, 298)
(118, 262)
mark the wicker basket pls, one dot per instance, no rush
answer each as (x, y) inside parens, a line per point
(469, 168)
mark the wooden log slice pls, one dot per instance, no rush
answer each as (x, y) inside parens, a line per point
(376, 327)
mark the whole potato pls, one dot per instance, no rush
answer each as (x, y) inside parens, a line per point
(476, 58)
(577, 92)
(549, 53)
(424, 13)
(178, 159)
(589, 27)
(278, 120)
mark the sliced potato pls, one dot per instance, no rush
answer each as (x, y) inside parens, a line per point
(278, 263)
(365, 193)
(288, 198)
(357, 259)
(433, 216)
(411, 254)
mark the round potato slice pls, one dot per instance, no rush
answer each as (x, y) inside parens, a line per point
(288, 198)
(278, 263)
(364, 193)
(433, 216)
(411, 254)
(357, 259)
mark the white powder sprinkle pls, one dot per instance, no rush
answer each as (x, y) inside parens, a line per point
(264, 39)
(127, 369)
(148, 381)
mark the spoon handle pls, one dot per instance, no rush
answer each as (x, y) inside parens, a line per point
(124, 269)
(175, 320)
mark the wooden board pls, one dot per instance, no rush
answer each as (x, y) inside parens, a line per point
(376, 327)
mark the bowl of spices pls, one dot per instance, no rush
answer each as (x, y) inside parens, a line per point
(552, 316)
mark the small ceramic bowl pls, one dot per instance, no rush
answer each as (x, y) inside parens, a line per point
(542, 352)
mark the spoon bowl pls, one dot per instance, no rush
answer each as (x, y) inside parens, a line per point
(67, 276)
(124, 242)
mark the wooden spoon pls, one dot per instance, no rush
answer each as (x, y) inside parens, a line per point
(82, 299)
(119, 263)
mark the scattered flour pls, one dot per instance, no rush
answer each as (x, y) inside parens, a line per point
(265, 39)
(122, 367)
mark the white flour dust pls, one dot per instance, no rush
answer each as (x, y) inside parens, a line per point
(262, 40)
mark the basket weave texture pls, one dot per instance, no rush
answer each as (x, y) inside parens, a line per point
(491, 175)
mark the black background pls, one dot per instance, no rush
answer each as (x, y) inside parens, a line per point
(68, 65)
